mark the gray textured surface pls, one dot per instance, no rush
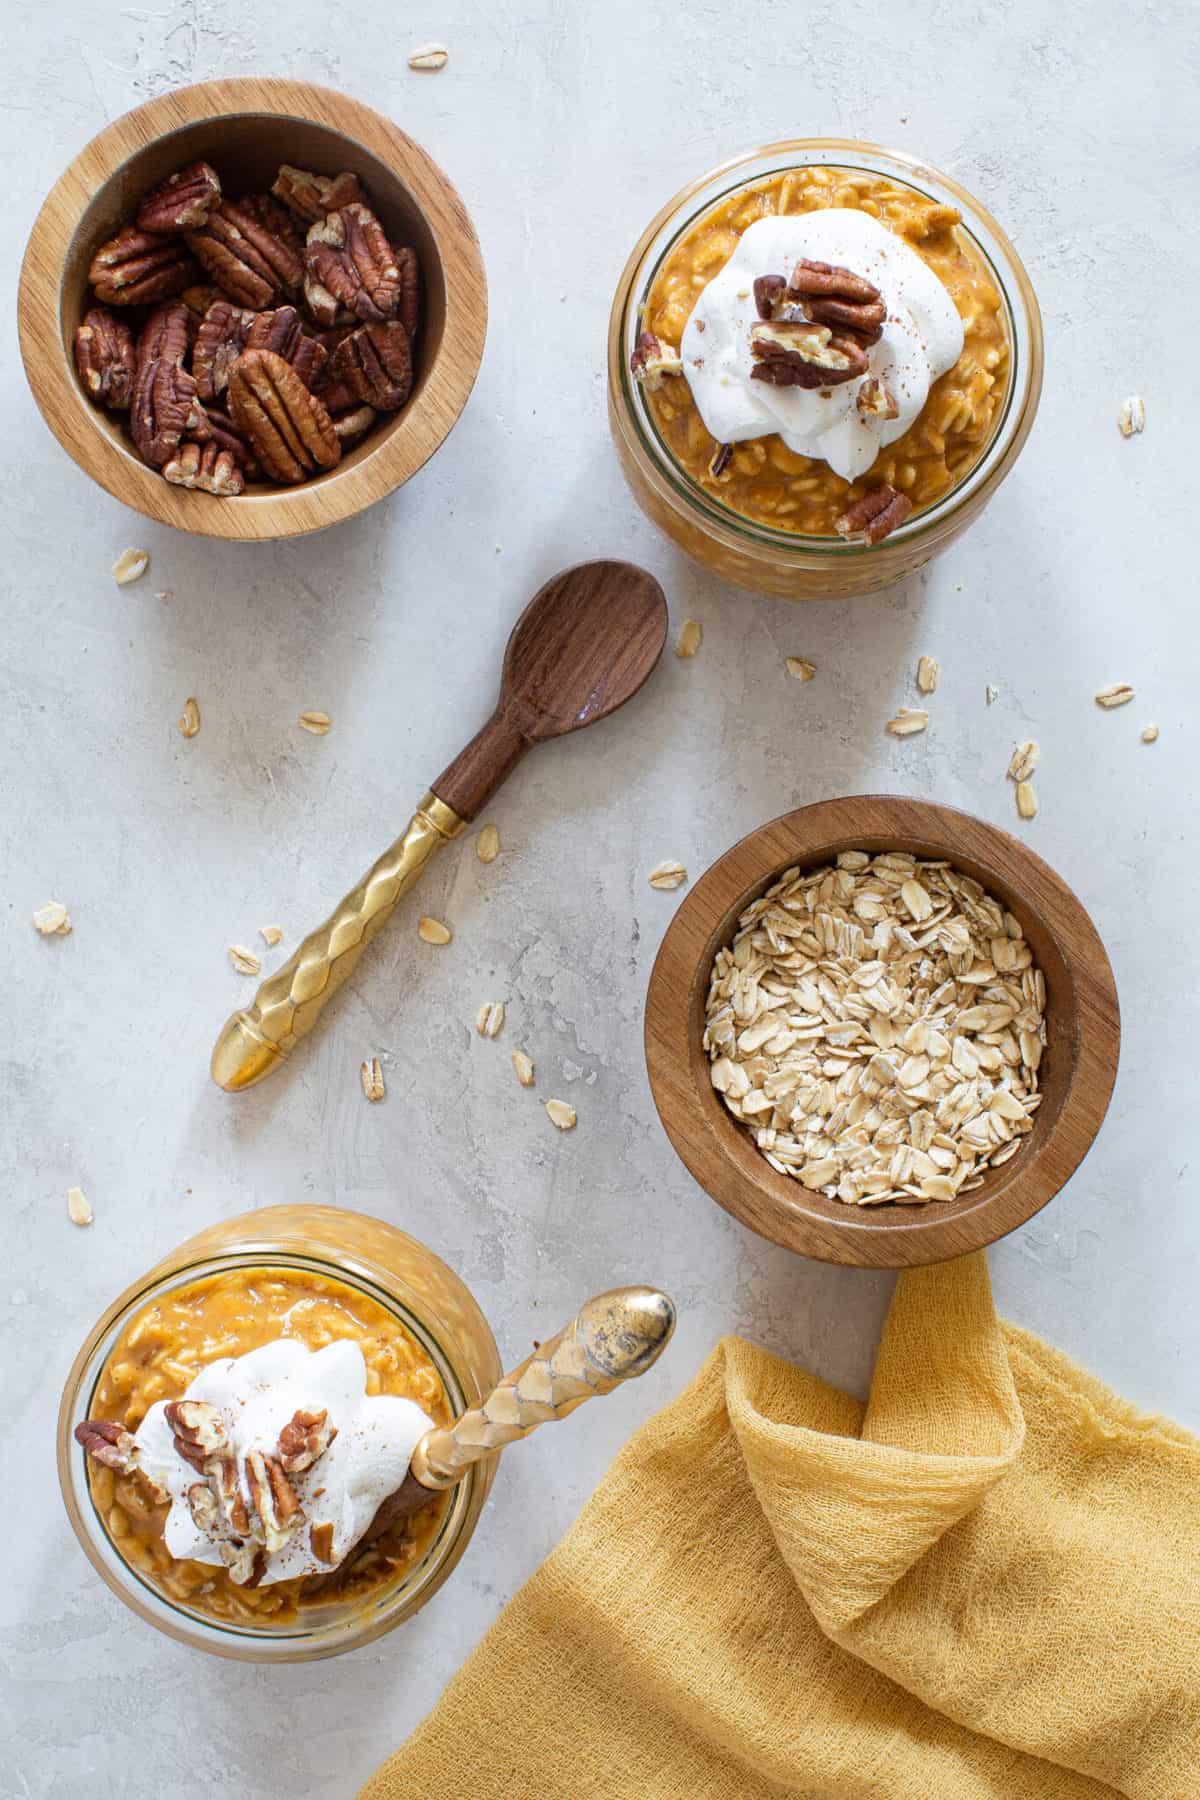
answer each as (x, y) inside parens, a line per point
(564, 127)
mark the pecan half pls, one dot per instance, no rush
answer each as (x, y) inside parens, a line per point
(409, 310)
(107, 1442)
(135, 267)
(266, 211)
(198, 1430)
(283, 331)
(865, 321)
(181, 201)
(288, 428)
(163, 404)
(252, 263)
(310, 197)
(375, 363)
(652, 361)
(876, 515)
(206, 466)
(349, 265)
(794, 353)
(819, 280)
(305, 1437)
(105, 358)
(223, 334)
(874, 401)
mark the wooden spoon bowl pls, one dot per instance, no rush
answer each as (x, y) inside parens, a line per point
(1077, 1072)
(246, 128)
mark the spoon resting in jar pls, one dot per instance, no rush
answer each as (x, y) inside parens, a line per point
(583, 646)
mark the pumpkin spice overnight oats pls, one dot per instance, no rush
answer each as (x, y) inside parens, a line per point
(236, 1427)
(822, 361)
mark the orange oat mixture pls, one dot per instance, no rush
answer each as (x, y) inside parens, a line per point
(764, 480)
(164, 1348)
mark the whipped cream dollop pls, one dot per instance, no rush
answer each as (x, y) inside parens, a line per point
(256, 1396)
(922, 338)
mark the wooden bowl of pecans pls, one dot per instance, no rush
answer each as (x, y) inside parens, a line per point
(881, 1032)
(251, 308)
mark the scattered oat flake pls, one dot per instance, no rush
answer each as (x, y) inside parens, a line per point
(189, 721)
(53, 919)
(689, 639)
(908, 721)
(1149, 734)
(1131, 417)
(561, 1114)
(800, 667)
(524, 1067)
(429, 59)
(372, 1079)
(487, 844)
(1027, 801)
(990, 694)
(928, 669)
(1024, 760)
(243, 960)
(165, 594)
(433, 931)
(78, 1207)
(270, 934)
(131, 565)
(316, 722)
(667, 875)
(489, 1020)
(1119, 694)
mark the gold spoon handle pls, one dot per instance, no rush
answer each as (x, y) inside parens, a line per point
(289, 1002)
(614, 1337)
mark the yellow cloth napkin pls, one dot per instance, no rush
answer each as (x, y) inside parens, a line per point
(986, 1582)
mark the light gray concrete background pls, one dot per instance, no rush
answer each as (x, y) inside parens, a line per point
(565, 127)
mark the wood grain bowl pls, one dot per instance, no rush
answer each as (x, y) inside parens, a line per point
(1077, 1072)
(246, 128)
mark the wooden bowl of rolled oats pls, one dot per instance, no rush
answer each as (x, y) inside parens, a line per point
(881, 1032)
(251, 308)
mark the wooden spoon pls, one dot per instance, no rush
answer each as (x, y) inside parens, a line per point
(583, 646)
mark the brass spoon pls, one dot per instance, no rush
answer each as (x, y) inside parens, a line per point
(583, 646)
(613, 1338)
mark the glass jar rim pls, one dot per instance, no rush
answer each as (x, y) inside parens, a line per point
(743, 171)
(177, 1619)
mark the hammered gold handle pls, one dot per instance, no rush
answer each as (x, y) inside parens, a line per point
(613, 1338)
(289, 1002)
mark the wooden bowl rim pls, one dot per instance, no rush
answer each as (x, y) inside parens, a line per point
(288, 512)
(708, 1140)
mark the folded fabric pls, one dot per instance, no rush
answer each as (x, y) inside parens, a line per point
(984, 1583)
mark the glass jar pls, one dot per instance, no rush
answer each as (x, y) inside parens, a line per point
(418, 1290)
(758, 556)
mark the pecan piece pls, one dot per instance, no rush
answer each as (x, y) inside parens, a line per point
(874, 401)
(223, 334)
(375, 363)
(182, 201)
(876, 515)
(352, 425)
(206, 466)
(864, 322)
(719, 462)
(768, 292)
(163, 404)
(250, 261)
(275, 1509)
(305, 1437)
(794, 353)
(288, 428)
(105, 358)
(198, 1430)
(283, 332)
(107, 1442)
(652, 361)
(135, 267)
(310, 197)
(819, 280)
(409, 310)
(226, 436)
(349, 265)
